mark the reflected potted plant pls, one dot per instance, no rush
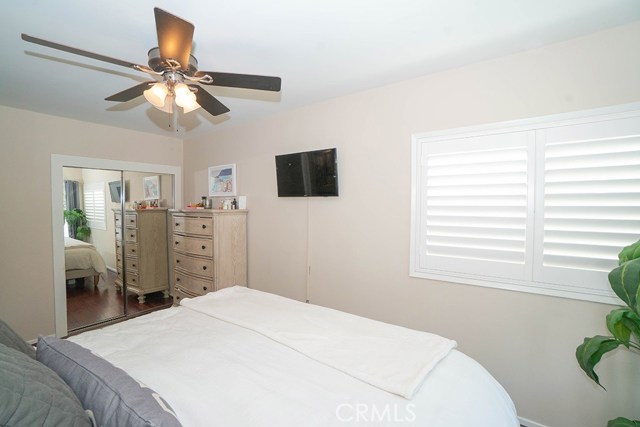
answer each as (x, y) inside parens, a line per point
(77, 220)
(623, 322)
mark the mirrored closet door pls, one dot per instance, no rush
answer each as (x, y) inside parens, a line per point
(115, 233)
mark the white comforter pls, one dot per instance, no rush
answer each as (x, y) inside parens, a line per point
(79, 255)
(390, 357)
(214, 372)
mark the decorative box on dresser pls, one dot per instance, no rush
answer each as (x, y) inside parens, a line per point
(209, 251)
(145, 257)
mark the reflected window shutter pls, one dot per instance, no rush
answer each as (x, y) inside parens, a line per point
(95, 205)
(475, 205)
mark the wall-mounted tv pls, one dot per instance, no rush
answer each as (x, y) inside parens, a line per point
(115, 189)
(308, 174)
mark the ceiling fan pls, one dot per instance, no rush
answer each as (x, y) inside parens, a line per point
(175, 69)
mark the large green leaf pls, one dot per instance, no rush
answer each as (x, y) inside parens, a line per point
(623, 422)
(591, 351)
(625, 282)
(622, 323)
(629, 252)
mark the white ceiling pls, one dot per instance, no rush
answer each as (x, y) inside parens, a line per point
(320, 48)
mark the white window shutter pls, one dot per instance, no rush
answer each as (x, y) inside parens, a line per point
(589, 201)
(474, 202)
(540, 205)
(95, 205)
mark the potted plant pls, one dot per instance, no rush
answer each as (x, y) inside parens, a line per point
(77, 220)
(623, 322)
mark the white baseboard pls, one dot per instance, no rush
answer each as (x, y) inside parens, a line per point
(528, 423)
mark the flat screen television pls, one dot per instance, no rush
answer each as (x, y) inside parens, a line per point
(115, 189)
(308, 174)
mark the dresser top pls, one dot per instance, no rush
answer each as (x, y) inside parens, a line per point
(209, 212)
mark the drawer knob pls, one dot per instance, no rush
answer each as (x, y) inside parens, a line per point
(204, 226)
(177, 279)
(131, 220)
(204, 267)
(177, 243)
(133, 250)
(177, 261)
(204, 247)
(177, 224)
(130, 235)
(204, 288)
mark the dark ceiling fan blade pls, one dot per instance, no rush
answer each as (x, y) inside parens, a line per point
(86, 53)
(208, 102)
(246, 81)
(175, 36)
(132, 92)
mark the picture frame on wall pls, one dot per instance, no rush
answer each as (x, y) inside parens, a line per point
(222, 180)
(151, 187)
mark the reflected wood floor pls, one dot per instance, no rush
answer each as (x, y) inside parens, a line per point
(88, 304)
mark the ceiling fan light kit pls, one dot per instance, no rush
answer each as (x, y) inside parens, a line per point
(173, 63)
(156, 95)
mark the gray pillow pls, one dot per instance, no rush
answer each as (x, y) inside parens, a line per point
(110, 393)
(12, 340)
(33, 395)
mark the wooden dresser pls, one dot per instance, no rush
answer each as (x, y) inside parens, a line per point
(209, 251)
(145, 257)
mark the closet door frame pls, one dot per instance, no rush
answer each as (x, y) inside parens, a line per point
(58, 162)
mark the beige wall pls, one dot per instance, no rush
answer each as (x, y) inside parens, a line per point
(359, 242)
(28, 140)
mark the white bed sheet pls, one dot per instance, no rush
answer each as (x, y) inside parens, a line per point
(79, 255)
(216, 373)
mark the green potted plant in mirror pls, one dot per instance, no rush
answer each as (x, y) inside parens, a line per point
(623, 322)
(77, 220)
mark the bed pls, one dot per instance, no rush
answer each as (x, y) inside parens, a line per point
(241, 357)
(82, 260)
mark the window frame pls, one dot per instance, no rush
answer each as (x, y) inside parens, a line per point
(535, 126)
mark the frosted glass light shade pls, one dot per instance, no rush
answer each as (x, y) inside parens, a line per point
(168, 105)
(185, 98)
(156, 95)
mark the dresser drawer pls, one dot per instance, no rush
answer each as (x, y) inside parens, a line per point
(193, 285)
(198, 226)
(118, 234)
(193, 245)
(131, 249)
(130, 235)
(130, 220)
(198, 266)
(118, 221)
(132, 278)
(131, 264)
(179, 294)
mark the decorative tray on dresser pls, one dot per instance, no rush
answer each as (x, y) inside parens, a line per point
(209, 251)
(144, 258)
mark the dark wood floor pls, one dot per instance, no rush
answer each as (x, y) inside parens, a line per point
(88, 304)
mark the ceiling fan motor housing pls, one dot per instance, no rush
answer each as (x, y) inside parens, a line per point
(161, 65)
